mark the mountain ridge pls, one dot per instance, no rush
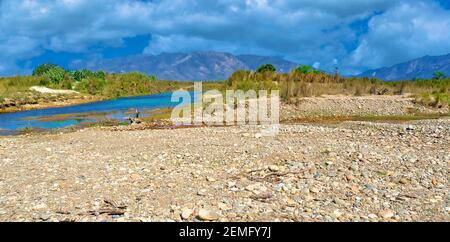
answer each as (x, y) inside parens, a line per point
(419, 68)
(200, 65)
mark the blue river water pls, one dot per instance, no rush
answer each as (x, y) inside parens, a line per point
(61, 117)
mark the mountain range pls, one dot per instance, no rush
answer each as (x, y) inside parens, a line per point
(199, 66)
(212, 65)
(421, 68)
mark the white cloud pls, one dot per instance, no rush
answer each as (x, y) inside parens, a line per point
(407, 31)
(306, 31)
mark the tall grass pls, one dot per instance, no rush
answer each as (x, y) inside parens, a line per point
(111, 86)
(296, 85)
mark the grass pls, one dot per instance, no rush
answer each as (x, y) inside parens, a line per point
(296, 85)
(15, 91)
(12, 87)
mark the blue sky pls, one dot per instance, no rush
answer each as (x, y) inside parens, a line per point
(354, 34)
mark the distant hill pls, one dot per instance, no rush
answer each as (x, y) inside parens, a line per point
(419, 68)
(180, 66)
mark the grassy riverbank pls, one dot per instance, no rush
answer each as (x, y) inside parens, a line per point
(15, 93)
(296, 85)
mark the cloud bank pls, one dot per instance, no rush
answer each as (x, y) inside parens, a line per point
(356, 34)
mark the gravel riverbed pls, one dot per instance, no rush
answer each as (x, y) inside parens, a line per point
(350, 171)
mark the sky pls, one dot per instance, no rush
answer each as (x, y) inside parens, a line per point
(355, 35)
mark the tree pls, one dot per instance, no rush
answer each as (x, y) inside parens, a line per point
(266, 68)
(439, 75)
(42, 69)
(304, 69)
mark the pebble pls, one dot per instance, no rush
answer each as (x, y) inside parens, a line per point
(208, 215)
(186, 213)
(386, 214)
(210, 179)
(314, 190)
(202, 192)
(274, 168)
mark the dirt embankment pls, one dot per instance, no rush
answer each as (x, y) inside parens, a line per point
(43, 100)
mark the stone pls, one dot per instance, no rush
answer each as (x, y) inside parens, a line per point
(202, 192)
(40, 206)
(337, 213)
(350, 177)
(210, 179)
(252, 187)
(386, 214)
(274, 168)
(186, 213)
(207, 215)
(314, 190)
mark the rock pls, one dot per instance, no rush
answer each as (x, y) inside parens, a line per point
(231, 184)
(337, 213)
(40, 206)
(386, 214)
(45, 216)
(210, 179)
(314, 190)
(252, 187)
(208, 215)
(186, 213)
(202, 192)
(350, 177)
(274, 168)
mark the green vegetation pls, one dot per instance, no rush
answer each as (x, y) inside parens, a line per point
(266, 68)
(438, 75)
(305, 81)
(42, 69)
(304, 69)
(87, 82)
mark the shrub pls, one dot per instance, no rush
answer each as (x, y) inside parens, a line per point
(92, 86)
(266, 68)
(55, 74)
(42, 69)
(304, 69)
(129, 84)
(438, 75)
(83, 74)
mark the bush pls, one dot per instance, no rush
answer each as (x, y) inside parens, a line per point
(92, 86)
(438, 75)
(304, 69)
(55, 74)
(42, 69)
(129, 84)
(266, 68)
(83, 74)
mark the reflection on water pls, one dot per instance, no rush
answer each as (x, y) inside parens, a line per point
(50, 118)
